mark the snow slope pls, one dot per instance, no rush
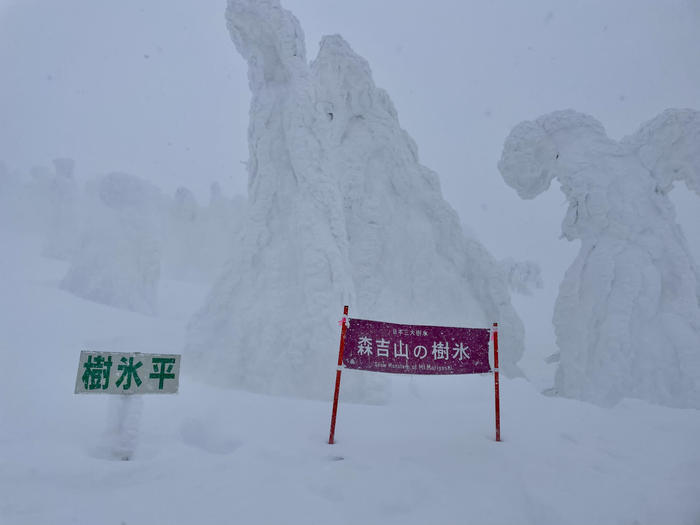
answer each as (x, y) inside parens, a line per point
(627, 318)
(341, 212)
(209, 455)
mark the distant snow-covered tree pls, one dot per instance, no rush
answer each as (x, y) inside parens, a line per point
(523, 276)
(117, 262)
(627, 318)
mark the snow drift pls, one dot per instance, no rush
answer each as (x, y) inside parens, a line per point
(340, 211)
(627, 318)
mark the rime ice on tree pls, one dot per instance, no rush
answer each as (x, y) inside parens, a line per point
(340, 212)
(410, 259)
(627, 318)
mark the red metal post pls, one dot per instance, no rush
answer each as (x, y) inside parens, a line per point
(495, 379)
(331, 438)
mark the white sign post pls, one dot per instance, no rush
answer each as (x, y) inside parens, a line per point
(126, 374)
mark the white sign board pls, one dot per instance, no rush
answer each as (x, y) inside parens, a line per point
(127, 373)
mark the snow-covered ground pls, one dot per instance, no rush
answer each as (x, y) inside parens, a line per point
(209, 455)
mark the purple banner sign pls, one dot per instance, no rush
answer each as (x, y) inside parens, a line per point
(415, 349)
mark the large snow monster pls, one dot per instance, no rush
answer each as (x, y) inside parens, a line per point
(627, 318)
(340, 212)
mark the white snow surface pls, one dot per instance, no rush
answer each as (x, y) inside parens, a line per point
(340, 212)
(627, 318)
(210, 455)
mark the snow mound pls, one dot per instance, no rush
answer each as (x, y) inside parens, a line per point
(118, 260)
(340, 212)
(627, 318)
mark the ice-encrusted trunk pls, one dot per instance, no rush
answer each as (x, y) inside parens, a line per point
(627, 318)
(340, 211)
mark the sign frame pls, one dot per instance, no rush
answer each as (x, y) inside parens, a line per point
(343, 335)
(115, 373)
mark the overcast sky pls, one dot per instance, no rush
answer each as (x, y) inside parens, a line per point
(157, 89)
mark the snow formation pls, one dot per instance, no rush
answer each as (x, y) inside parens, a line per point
(118, 260)
(120, 213)
(198, 240)
(63, 196)
(523, 276)
(627, 318)
(340, 212)
(47, 201)
(10, 184)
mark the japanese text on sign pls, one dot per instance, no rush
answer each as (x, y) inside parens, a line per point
(133, 373)
(405, 349)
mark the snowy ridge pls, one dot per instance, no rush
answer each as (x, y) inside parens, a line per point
(340, 211)
(627, 318)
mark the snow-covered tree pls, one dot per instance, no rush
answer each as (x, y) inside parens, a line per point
(182, 246)
(627, 318)
(10, 187)
(340, 211)
(63, 211)
(200, 239)
(523, 276)
(118, 259)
